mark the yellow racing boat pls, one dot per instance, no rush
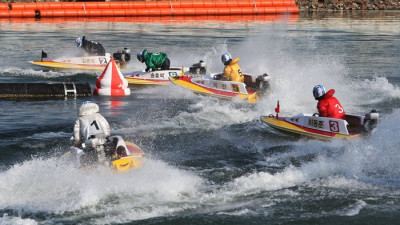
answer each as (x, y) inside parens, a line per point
(128, 162)
(120, 155)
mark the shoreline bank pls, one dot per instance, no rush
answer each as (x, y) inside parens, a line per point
(347, 5)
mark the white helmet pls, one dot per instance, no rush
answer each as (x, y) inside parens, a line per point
(318, 91)
(225, 58)
(88, 108)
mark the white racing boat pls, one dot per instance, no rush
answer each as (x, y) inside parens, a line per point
(324, 128)
(161, 77)
(152, 78)
(86, 63)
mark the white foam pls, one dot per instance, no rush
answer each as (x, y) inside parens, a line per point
(52, 186)
(354, 209)
(295, 67)
(48, 135)
(363, 164)
(14, 71)
(9, 220)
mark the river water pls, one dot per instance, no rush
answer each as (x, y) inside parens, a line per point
(209, 161)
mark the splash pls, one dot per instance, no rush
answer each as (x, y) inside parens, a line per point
(295, 67)
(365, 164)
(51, 185)
(9, 220)
(20, 72)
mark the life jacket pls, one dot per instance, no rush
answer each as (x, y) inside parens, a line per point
(93, 48)
(233, 72)
(329, 106)
(90, 125)
(154, 60)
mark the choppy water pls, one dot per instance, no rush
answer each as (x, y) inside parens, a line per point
(209, 161)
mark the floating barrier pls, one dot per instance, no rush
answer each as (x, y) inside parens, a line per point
(147, 8)
(3, 6)
(166, 12)
(43, 90)
(157, 19)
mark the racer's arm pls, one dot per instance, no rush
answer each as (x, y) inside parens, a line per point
(227, 73)
(322, 109)
(107, 131)
(77, 133)
(149, 63)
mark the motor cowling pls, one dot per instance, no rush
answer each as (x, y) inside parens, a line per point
(371, 120)
(122, 56)
(199, 68)
(262, 84)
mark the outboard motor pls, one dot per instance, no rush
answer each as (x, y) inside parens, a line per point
(371, 120)
(199, 68)
(123, 57)
(262, 84)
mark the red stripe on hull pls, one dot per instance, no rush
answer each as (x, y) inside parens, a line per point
(161, 81)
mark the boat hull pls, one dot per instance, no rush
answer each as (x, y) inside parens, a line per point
(87, 63)
(216, 88)
(282, 124)
(133, 161)
(67, 66)
(154, 78)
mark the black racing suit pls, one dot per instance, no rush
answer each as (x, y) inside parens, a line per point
(93, 48)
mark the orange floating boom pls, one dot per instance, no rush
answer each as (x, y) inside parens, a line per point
(147, 8)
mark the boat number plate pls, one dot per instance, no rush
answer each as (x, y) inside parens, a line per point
(334, 126)
(316, 123)
(103, 60)
(173, 74)
(235, 88)
(157, 75)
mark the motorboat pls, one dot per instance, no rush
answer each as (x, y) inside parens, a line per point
(324, 128)
(250, 90)
(84, 63)
(161, 77)
(113, 152)
(151, 78)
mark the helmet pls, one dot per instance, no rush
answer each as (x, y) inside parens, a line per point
(121, 152)
(318, 91)
(88, 108)
(140, 56)
(225, 58)
(78, 42)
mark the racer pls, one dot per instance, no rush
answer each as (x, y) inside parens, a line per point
(119, 152)
(91, 131)
(154, 61)
(232, 70)
(328, 106)
(90, 47)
